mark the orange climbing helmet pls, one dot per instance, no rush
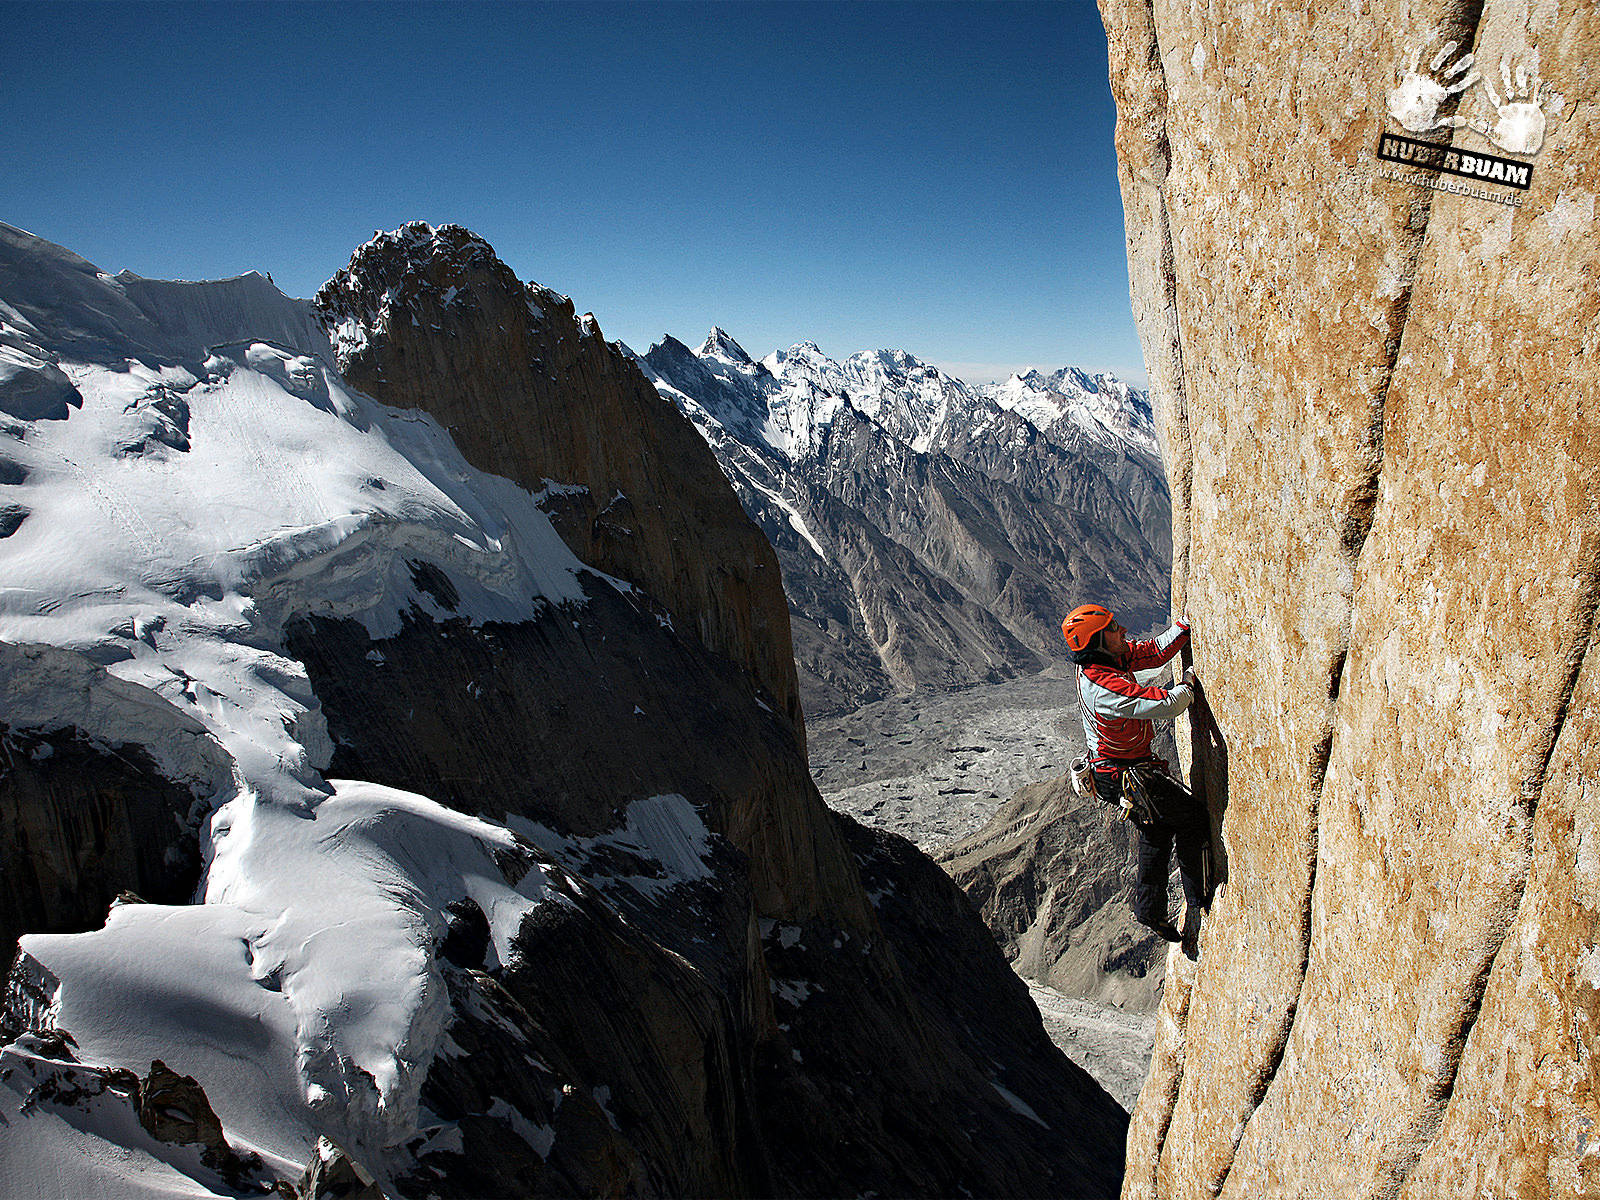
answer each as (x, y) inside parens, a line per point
(1083, 623)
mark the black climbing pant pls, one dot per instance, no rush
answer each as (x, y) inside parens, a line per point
(1173, 818)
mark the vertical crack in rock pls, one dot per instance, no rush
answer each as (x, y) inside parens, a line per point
(1536, 766)
(1139, 85)
(1459, 21)
(1181, 489)
(1580, 624)
(1183, 494)
(1169, 1095)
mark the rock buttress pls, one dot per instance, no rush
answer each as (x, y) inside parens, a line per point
(1379, 399)
(431, 319)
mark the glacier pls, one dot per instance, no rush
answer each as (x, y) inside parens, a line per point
(188, 503)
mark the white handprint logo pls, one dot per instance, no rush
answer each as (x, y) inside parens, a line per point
(1519, 120)
(1415, 100)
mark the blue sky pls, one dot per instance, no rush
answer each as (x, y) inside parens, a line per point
(936, 177)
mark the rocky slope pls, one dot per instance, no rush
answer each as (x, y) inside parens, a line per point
(1050, 875)
(512, 879)
(1377, 403)
(929, 533)
(975, 778)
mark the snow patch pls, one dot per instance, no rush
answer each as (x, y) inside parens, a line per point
(331, 992)
(793, 992)
(664, 833)
(1018, 1105)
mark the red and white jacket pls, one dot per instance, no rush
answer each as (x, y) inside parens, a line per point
(1117, 710)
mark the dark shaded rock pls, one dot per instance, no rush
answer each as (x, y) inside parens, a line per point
(32, 389)
(433, 582)
(525, 1122)
(11, 518)
(466, 940)
(334, 1175)
(79, 822)
(997, 1082)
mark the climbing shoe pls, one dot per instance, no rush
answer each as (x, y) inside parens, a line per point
(1191, 935)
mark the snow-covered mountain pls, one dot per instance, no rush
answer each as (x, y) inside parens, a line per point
(790, 397)
(1102, 406)
(419, 700)
(931, 533)
(175, 507)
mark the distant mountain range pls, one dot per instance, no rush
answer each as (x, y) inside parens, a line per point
(931, 534)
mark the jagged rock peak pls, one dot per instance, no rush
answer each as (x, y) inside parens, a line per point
(416, 249)
(419, 272)
(668, 345)
(719, 344)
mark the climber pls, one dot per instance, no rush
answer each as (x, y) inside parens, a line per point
(1118, 714)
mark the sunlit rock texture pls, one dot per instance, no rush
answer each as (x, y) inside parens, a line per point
(1378, 405)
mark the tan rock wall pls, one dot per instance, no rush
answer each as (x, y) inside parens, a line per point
(1379, 422)
(1522, 1120)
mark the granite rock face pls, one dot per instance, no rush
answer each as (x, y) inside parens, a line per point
(1377, 415)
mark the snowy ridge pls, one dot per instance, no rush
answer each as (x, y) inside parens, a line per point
(906, 396)
(169, 522)
(245, 308)
(923, 524)
(1102, 406)
(330, 987)
(788, 399)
